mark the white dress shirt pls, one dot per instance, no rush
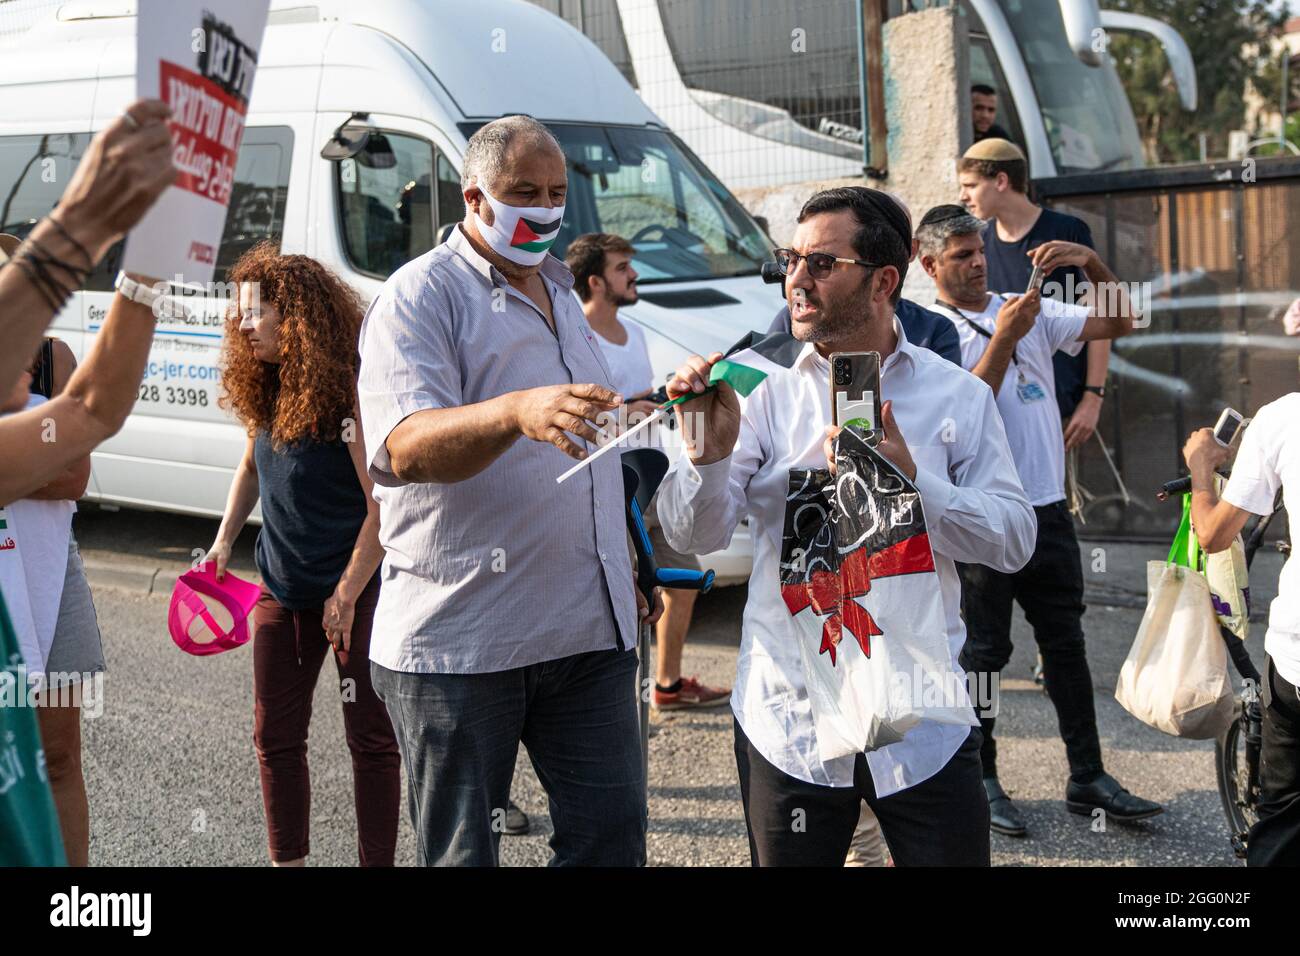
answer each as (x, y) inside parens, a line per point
(975, 512)
(1033, 427)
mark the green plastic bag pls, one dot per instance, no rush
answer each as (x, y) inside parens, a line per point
(1225, 572)
(29, 824)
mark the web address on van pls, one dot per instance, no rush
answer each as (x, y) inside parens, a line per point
(177, 371)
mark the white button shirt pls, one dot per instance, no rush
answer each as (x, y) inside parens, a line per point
(975, 512)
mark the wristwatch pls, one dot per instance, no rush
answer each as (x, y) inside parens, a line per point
(137, 291)
(1098, 390)
(160, 303)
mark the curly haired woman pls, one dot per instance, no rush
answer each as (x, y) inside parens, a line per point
(289, 372)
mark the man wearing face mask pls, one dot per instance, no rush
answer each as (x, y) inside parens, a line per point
(507, 612)
(942, 430)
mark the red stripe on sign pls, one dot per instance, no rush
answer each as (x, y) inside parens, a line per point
(207, 126)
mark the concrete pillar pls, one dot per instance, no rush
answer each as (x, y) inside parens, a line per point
(927, 105)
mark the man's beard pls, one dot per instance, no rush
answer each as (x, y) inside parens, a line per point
(627, 297)
(834, 324)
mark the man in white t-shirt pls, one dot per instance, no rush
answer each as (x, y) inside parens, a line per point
(605, 280)
(1008, 341)
(1267, 462)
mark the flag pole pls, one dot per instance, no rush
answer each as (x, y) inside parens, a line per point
(657, 415)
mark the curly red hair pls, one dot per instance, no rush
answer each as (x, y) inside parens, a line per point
(313, 389)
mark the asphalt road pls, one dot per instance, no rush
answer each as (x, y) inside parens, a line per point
(172, 775)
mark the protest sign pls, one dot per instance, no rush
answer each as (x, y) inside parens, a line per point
(199, 57)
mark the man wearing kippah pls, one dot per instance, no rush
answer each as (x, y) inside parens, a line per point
(1008, 341)
(994, 179)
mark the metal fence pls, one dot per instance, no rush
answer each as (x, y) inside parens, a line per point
(1215, 244)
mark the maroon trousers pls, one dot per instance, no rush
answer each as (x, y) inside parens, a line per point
(289, 648)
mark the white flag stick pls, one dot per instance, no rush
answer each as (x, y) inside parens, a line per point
(644, 423)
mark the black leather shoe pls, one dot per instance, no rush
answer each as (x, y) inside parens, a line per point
(1004, 817)
(1106, 793)
(517, 823)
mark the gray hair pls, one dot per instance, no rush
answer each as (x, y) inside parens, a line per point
(933, 236)
(487, 149)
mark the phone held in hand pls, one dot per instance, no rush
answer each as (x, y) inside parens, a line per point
(855, 389)
(1035, 280)
(1226, 428)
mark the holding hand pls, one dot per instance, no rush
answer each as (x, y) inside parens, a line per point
(547, 414)
(1083, 422)
(892, 444)
(219, 554)
(716, 414)
(126, 168)
(1018, 315)
(1058, 253)
(1203, 454)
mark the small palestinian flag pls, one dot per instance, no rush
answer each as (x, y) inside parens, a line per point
(533, 236)
(747, 363)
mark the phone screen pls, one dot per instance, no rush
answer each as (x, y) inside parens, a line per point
(1226, 428)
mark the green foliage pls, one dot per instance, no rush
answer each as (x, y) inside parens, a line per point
(1228, 40)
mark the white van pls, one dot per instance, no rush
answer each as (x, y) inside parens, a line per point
(422, 75)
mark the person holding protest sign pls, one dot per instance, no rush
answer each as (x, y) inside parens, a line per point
(289, 374)
(508, 613)
(126, 167)
(940, 429)
(1008, 341)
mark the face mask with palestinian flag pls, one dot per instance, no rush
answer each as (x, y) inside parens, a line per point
(522, 234)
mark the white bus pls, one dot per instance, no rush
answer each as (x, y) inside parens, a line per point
(420, 76)
(768, 92)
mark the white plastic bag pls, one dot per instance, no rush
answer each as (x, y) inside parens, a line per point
(1176, 675)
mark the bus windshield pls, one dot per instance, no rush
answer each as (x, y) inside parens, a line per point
(643, 184)
(1086, 113)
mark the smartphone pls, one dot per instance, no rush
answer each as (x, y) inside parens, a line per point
(1035, 280)
(855, 389)
(1227, 427)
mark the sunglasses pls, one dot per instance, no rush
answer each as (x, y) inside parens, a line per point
(820, 264)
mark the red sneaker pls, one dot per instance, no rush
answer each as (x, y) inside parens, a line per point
(691, 693)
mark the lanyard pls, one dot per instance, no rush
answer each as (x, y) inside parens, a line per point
(980, 329)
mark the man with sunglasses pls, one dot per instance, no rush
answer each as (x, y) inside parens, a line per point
(921, 327)
(941, 428)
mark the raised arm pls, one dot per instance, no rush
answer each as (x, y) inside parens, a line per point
(100, 395)
(1111, 313)
(125, 169)
(1015, 319)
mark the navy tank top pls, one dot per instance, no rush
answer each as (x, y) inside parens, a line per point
(312, 509)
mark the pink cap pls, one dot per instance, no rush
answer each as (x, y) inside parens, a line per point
(237, 595)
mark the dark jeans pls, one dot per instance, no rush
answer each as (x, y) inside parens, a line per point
(1275, 839)
(942, 821)
(1050, 590)
(460, 733)
(289, 648)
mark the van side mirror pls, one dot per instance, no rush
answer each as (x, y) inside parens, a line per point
(352, 139)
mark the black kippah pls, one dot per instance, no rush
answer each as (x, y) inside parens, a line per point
(943, 214)
(892, 212)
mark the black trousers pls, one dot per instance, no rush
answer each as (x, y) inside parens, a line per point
(1050, 590)
(942, 821)
(1275, 839)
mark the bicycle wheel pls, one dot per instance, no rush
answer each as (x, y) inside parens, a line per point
(1231, 770)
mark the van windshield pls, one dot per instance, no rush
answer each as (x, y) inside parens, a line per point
(644, 185)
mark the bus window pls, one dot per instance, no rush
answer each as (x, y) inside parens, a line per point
(258, 196)
(984, 69)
